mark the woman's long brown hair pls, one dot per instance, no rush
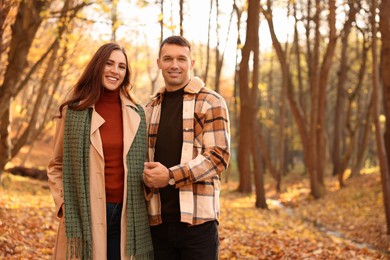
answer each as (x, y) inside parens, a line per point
(89, 86)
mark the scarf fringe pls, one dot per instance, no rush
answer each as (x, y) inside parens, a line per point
(78, 248)
(142, 256)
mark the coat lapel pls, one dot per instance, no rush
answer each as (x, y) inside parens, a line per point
(96, 141)
(131, 121)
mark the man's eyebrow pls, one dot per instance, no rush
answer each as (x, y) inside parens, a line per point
(171, 56)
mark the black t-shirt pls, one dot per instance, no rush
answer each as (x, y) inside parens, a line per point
(168, 150)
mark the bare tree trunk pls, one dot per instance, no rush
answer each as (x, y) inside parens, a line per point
(281, 150)
(348, 154)
(5, 141)
(235, 115)
(313, 61)
(261, 201)
(5, 9)
(338, 133)
(362, 143)
(161, 21)
(267, 160)
(254, 45)
(383, 148)
(206, 72)
(153, 75)
(323, 82)
(218, 66)
(219, 56)
(24, 29)
(114, 19)
(181, 3)
(365, 110)
(281, 138)
(244, 144)
(248, 94)
(171, 25)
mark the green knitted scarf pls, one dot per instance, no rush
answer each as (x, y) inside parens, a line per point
(76, 189)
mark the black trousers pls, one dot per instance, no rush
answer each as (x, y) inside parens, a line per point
(178, 241)
(113, 214)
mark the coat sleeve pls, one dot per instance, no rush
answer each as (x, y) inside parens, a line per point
(148, 192)
(214, 151)
(54, 169)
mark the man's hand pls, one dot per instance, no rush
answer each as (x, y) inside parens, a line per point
(156, 175)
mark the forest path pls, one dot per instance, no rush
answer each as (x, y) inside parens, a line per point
(335, 235)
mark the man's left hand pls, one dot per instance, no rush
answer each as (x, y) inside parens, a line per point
(155, 175)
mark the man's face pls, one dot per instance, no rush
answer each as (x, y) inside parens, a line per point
(175, 64)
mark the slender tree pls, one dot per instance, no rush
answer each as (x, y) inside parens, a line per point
(363, 109)
(235, 115)
(27, 22)
(341, 96)
(244, 140)
(249, 145)
(206, 71)
(219, 52)
(383, 149)
(181, 17)
(322, 85)
(6, 6)
(114, 19)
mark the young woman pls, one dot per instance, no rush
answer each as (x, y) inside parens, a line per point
(95, 172)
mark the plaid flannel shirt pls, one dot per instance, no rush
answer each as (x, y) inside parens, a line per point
(205, 153)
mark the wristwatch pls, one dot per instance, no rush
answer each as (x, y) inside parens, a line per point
(171, 180)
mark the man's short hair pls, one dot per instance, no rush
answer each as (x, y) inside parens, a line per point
(176, 40)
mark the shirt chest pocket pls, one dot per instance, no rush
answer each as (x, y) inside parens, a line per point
(199, 123)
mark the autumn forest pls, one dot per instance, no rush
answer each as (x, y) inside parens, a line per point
(307, 84)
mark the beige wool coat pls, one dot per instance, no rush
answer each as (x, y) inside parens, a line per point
(131, 121)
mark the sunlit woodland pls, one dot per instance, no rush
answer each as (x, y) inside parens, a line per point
(307, 83)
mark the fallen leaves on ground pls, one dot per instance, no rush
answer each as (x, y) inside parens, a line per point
(27, 222)
(276, 233)
(346, 223)
(355, 212)
(292, 229)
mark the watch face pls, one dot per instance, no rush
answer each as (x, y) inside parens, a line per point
(171, 182)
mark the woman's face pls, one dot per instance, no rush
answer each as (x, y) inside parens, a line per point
(114, 71)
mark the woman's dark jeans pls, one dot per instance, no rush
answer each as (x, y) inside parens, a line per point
(113, 212)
